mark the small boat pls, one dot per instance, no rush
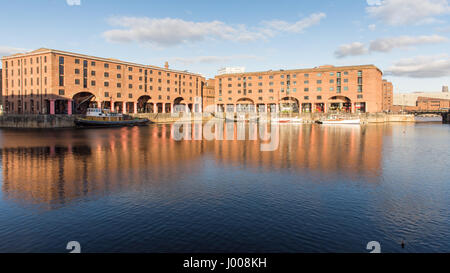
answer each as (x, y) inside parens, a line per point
(341, 121)
(104, 118)
(287, 120)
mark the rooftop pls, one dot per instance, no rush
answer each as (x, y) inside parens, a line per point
(110, 60)
(324, 68)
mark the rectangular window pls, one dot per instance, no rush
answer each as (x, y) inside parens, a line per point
(61, 60)
(360, 96)
(106, 75)
(119, 85)
(130, 95)
(319, 82)
(92, 83)
(106, 84)
(106, 65)
(319, 89)
(92, 63)
(119, 95)
(119, 76)
(106, 94)
(77, 61)
(130, 86)
(61, 92)
(77, 71)
(306, 97)
(93, 73)
(77, 81)
(319, 97)
(61, 80)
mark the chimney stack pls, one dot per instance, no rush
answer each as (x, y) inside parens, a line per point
(166, 65)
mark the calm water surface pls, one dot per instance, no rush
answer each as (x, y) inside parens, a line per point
(326, 189)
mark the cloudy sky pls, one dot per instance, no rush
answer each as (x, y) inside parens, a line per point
(409, 40)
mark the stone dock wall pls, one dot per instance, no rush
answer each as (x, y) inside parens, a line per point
(37, 121)
(65, 121)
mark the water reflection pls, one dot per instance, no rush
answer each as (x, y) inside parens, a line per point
(56, 167)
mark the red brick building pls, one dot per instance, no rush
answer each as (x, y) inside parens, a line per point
(432, 104)
(388, 95)
(329, 89)
(47, 81)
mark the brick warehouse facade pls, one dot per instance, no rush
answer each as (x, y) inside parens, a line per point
(388, 95)
(1, 88)
(323, 89)
(47, 81)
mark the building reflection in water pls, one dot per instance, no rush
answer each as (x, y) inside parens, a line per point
(57, 167)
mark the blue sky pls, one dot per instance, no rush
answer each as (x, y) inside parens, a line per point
(407, 39)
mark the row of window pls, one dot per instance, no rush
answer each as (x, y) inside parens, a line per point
(306, 89)
(305, 98)
(338, 75)
(130, 69)
(11, 63)
(25, 71)
(293, 83)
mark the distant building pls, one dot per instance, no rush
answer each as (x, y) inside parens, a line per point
(231, 70)
(410, 99)
(432, 104)
(444, 89)
(388, 95)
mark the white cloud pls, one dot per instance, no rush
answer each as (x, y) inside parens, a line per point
(297, 27)
(422, 67)
(73, 2)
(7, 50)
(402, 12)
(170, 31)
(353, 49)
(388, 44)
(372, 27)
(213, 59)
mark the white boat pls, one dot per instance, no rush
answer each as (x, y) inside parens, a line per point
(287, 120)
(342, 121)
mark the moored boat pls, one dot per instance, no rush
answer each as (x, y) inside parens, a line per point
(341, 121)
(287, 120)
(104, 118)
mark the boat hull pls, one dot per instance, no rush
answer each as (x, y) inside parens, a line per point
(288, 121)
(355, 121)
(117, 123)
